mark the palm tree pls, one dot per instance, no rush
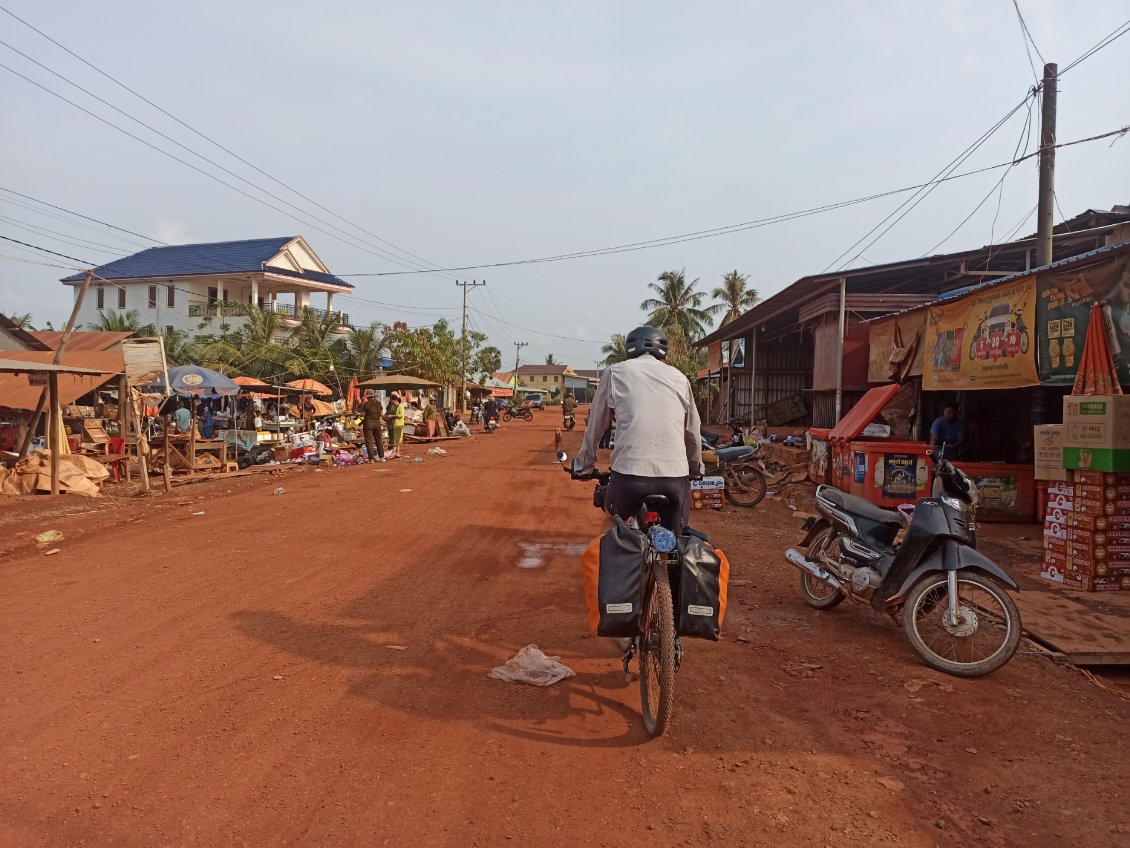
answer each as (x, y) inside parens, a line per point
(615, 351)
(262, 351)
(118, 322)
(550, 360)
(316, 350)
(678, 303)
(363, 350)
(733, 297)
(22, 321)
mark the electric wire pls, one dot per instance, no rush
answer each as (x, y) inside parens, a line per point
(1026, 37)
(80, 215)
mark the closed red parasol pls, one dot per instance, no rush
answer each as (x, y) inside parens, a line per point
(1096, 375)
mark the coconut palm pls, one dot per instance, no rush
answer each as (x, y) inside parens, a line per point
(363, 350)
(118, 322)
(733, 297)
(677, 303)
(550, 359)
(615, 351)
(263, 350)
(21, 321)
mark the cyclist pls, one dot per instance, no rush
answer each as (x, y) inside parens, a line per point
(658, 447)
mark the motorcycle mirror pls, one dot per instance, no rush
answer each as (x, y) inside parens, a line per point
(562, 457)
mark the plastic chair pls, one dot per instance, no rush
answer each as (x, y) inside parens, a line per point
(117, 467)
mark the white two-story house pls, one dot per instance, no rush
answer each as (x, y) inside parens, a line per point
(185, 286)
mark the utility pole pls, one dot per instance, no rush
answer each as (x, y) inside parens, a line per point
(1045, 219)
(463, 339)
(517, 350)
(33, 425)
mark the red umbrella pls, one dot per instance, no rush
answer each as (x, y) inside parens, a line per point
(354, 394)
(1096, 375)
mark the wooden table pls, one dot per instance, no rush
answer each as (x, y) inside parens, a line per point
(191, 454)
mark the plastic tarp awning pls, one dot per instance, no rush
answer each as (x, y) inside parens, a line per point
(860, 415)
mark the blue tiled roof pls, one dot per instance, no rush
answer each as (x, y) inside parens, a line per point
(316, 276)
(223, 257)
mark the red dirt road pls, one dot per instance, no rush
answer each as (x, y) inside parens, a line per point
(310, 669)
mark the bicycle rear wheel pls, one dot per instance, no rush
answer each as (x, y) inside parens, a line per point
(657, 653)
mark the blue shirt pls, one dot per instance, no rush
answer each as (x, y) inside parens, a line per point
(949, 432)
(183, 418)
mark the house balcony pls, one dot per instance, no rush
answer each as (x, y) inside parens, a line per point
(239, 310)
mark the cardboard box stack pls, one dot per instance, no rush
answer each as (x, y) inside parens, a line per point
(1057, 525)
(1096, 432)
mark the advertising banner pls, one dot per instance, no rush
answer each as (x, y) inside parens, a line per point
(1064, 313)
(983, 341)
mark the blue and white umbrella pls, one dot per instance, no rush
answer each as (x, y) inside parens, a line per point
(195, 381)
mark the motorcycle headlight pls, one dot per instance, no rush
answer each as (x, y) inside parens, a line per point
(952, 503)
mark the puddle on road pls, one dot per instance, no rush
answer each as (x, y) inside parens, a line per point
(534, 554)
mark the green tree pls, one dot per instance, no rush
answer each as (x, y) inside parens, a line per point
(682, 354)
(615, 351)
(363, 350)
(488, 362)
(678, 303)
(21, 321)
(733, 297)
(550, 359)
(118, 322)
(316, 350)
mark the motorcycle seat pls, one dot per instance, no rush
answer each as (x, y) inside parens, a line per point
(859, 506)
(735, 453)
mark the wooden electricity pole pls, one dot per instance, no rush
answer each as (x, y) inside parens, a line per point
(517, 350)
(1045, 218)
(463, 340)
(34, 423)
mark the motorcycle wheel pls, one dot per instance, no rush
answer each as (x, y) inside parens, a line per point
(1024, 342)
(983, 639)
(527, 415)
(657, 654)
(816, 593)
(745, 486)
(506, 416)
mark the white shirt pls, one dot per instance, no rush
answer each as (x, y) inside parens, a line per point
(657, 423)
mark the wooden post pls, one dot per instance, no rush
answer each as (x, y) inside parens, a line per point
(142, 462)
(192, 441)
(34, 424)
(53, 429)
(124, 419)
(840, 351)
(168, 473)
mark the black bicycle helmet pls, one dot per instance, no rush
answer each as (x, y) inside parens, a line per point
(646, 340)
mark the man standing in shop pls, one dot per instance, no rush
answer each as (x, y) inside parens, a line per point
(372, 425)
(949, 429)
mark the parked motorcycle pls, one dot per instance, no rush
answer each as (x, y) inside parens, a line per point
(736, 440)
(745, 484)
(952, 599)
(523, 412)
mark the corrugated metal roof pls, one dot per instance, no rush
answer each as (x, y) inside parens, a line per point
(222, 257)
(14, 366)
(811, 286)
(17, 393)
(20, 334)
(82, 340)
(1099, 254)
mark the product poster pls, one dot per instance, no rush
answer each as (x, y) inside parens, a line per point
(860, 460)
(1064, 313)
(996, 494)
(983, 341)
(900, 476)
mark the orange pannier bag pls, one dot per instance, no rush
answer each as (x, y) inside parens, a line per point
(590, 574)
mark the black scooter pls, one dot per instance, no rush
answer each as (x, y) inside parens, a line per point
(952, 599)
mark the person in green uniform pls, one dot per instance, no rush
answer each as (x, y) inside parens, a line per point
(394, 415)
(373, 425)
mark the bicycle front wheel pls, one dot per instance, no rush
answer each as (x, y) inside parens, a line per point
(657, 653)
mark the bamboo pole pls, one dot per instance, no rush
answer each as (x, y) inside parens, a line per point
(53, 429)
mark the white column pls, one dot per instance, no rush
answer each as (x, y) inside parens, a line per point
(329, 302)
(301, 301)
(255, 290)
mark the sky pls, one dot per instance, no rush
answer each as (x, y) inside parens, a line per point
(478, 133)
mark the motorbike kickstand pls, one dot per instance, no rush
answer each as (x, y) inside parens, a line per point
(627, 659)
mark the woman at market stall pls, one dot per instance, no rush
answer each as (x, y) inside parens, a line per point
(431, 416)
(394, 415)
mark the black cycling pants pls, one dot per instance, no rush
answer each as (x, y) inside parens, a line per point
(626, 492)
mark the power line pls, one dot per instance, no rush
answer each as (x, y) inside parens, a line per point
(1104, 42)
(340, 234)
(80, 215)
(70, 222)
(212, 141)
(66, 238)
(1026, 37)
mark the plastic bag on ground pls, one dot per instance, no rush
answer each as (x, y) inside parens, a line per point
(531, 666)
(437, 452)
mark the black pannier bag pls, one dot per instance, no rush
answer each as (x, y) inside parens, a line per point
(620, 585)
(700, 589)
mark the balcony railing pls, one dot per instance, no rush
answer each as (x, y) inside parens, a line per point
(239, 310)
